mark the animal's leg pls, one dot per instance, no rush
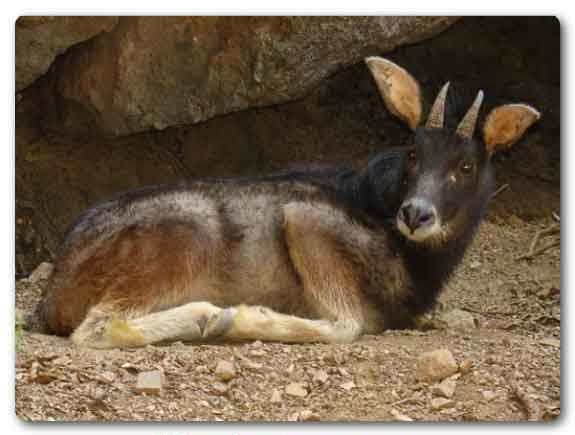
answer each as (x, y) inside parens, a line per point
(249, 322)
(320, 242)
(104, 328)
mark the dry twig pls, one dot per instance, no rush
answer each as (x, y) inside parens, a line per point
(533, 250)
(531, 407)
(498, 191)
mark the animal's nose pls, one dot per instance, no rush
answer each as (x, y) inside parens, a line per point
(417, 213)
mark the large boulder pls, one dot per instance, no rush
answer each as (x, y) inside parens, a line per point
(40, 39)
(155, 72)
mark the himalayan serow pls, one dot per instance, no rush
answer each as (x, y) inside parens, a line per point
(303, 256)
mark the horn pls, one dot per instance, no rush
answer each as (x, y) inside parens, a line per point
(467, 125)
(435, 119)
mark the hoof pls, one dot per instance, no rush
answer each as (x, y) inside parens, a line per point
(219, 323)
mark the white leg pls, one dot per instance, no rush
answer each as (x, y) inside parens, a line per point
(260, 323)
(105, 330)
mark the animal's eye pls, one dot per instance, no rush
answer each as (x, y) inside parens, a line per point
(466, 167)
(411, 156)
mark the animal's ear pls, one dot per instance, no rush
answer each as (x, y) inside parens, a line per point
(400, 91)
(506, 124)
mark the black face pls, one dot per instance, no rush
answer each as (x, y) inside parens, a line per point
(448, 181)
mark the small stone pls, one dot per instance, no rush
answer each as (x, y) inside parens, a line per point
(276, 396)
(465, 366)
(219, 388)
(397, 416)
(436, 365)
(107, 377)
(457, 319)
(258, 352)
(308, 415)
(149, 382)
(553, 342)
(296, 389)
(475, 265)
(347, 386)
(225, 371)
(41, 273)
(343, 372)
(320, 376)
(489, 395)
(441, 403)
(446, 388)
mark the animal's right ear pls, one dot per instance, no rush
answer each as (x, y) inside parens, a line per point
(506, 124)
(400, 91)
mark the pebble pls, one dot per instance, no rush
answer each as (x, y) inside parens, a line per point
(457, 319)
(107, 377)
(441, 403)
(225, 371)
(308, 415)
(296, 389)
(219, 388)
(348, 385)
(436, 365)
(149, 382)
(446, 388)
(553, 342)
(276, 396)
(465, 366)
(320, 376)
(397, 416)
(489, 395)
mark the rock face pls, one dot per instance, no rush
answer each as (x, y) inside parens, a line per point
(40, 39)
(156, 72)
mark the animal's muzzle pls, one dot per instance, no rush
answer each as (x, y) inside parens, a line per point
(417, 214)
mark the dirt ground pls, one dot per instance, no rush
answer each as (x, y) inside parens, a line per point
(509, 363)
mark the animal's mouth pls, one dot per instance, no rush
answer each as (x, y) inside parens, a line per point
(421, 233)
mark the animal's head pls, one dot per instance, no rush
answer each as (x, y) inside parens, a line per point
(448, 174)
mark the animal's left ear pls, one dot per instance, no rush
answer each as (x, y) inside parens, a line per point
(506, 124)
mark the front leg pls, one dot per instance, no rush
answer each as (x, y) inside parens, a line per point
(248, 322)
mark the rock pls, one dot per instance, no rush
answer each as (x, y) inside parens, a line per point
(347, 386)
(446, 388)
(465, 366)
(39, 39)
(320, 376)
(220, 388)
(308, 415)
(474, 265)
(489, 395)
(397, 416)
(150, 382)
(343, 372)
(41, 273)
(435, 365)
(456, 319)
(107, 377)
(150, 73)
(296, 389)
(225, 371)
(441, 403)
(276, 396)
